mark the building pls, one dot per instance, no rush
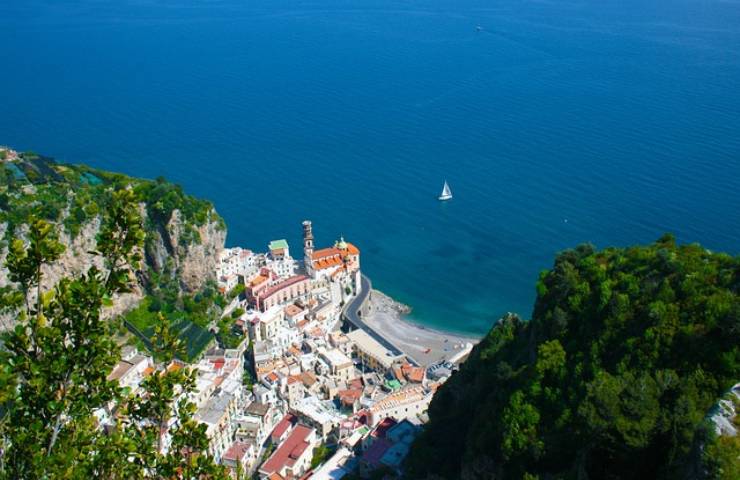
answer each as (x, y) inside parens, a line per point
(235, 264)
(293, 456)
(340, 365)
(405, 403)
(239, 457)
(406, 372)
(371, 353)
(389, 447)
(329, 264)
(283, 429)
(294, 390)
(294, 314)
(322, 416)
(337, 467)
(265, 294)
(217, 415)
(131, 369)
(279, 259)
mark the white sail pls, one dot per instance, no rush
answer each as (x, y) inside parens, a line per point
(446, 192)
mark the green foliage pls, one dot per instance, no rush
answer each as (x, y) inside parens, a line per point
(55, 367)
(320, 455)
(236, 291)
(722, 458)
(152, 311)
(627, 351)
(74, 195)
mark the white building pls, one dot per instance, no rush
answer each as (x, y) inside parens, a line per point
(340, 365)
(279, 260)
(406, 403)
(217, 415)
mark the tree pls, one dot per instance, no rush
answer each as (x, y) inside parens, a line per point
(55, 364)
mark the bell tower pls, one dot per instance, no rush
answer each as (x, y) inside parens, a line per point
(307, 246)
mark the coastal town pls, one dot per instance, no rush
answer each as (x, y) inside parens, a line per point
(326, 382)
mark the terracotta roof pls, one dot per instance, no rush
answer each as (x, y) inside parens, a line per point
(325, 252)
(327, 263)
(308, 378)
(288, 451)
(349, 397)
(237, 451)
(258, 280)
(293, 309)
(283, 425)
(383, 427)
(416, 374)
(352, 250)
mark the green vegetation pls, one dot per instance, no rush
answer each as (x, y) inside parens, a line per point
(320, 455)
(626, 352)
(190, 315)
(54, 367)
(75, 194)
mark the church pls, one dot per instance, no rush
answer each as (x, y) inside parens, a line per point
(340, 263)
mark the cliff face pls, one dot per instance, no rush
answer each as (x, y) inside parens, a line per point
(193, 264)
(183, 246)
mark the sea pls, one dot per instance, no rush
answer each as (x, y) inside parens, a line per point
(555, 123)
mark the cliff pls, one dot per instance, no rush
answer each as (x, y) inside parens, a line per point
(184, 235)
(626, 353)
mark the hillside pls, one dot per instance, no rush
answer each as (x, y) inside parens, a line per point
(626, 353)
(183, 236)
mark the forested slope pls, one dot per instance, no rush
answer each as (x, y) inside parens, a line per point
(626, 353)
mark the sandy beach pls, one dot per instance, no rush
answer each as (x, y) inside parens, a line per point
(425, 345)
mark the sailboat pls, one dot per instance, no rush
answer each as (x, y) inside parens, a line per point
(446, 192)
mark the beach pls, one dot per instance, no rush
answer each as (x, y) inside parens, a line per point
(425, 345)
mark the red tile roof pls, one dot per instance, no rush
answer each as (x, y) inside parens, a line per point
(236, 451)
(288, 451)
(283, 425)
(383, 427)
(325, 252)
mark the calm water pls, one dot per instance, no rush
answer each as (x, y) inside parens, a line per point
(559, 122)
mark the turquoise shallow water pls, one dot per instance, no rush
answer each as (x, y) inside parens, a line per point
(621, 117)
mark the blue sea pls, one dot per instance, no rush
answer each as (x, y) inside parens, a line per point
(555, 123)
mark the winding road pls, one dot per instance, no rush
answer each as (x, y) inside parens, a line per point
(351, 314)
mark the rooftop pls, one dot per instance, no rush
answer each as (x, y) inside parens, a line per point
(288, 451)
(278, 244)
(371, 346)
(337, 359)
(237, 451)
(283, 425)
(257, 408)
(214, 409)
(336, 467)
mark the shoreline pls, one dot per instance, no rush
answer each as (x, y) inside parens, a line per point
(424, 344)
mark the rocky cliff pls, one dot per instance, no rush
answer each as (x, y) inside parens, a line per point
(184, 234)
